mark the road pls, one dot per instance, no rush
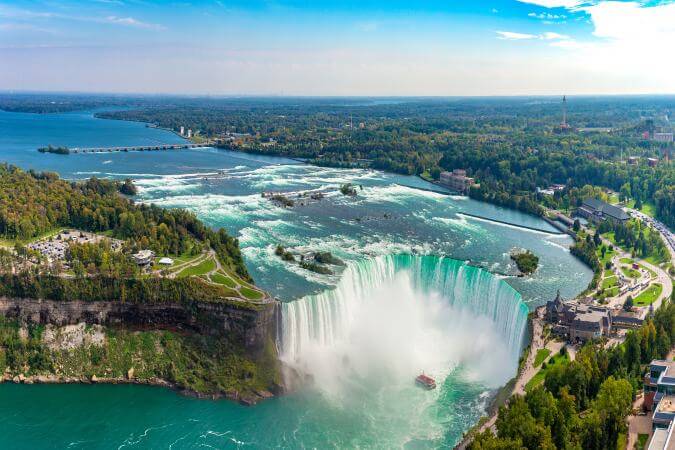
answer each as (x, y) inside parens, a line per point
(661, 277)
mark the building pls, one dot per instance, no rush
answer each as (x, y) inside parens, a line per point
(653, 162)
(576, 321)
(555, 309)
(591, 324)
(663, 137)
(659, 381)
(143, 257)
(664, 413)
(551, 190)
(182, 131)
(633, 160)
(596, 211)
(662, 439)
(165, 261)
(457, 180)
(189, 133)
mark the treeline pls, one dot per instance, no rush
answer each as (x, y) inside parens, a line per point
(509, 145)
(32, 204)
(583, 404)
(184, 290)
(585, 250)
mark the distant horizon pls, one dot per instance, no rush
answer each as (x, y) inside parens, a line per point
(338, 48)
(299, 96)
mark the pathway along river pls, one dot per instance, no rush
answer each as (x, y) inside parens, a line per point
(404, 303)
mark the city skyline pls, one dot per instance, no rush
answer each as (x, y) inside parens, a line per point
(345, 48)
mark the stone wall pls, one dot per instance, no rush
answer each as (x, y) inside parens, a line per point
(251, 327)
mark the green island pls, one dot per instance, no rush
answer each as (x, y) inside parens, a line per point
(94, 288)
(526, 261)
(316, 262)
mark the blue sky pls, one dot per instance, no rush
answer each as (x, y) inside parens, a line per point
(348, 47)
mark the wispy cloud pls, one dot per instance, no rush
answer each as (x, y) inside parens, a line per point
(368, 26)
(554, 3)
(13, 26)
(514, 36)
(24, 14)
(547, 16)
(131, 22)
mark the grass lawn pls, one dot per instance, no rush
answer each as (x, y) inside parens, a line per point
(613, 199)
(542, 354)
(642, 441)
(610, 237)
(219, 278)
(200, 269)
(649, 296)
(654, 260)
(250, 294)
(627, 260)
(609, 282)
(647, 208)
(608, 256)
(539, 377)
(630, 272)
(426, 176)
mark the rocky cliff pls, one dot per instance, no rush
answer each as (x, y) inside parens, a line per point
(251, 325)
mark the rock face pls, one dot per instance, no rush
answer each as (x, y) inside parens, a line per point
(251, 326)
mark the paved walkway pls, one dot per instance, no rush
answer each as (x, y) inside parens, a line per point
(638, 424)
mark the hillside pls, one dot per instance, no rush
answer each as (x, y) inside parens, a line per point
(147, 295)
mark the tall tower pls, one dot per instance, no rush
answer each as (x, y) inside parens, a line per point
(564, 108)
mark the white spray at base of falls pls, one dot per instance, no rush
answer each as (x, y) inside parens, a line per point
(391, 317)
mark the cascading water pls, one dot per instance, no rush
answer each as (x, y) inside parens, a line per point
(393, 316)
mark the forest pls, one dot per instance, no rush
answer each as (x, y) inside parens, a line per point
(511, 146)
(583, 404)
(33, 204)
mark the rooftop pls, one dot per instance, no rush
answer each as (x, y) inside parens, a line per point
(666, 405)
(605, 208)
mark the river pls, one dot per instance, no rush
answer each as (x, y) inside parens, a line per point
(406, 301)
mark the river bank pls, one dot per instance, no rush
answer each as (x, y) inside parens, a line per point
(232, 395)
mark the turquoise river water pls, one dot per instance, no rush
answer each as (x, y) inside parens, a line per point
(425, 288)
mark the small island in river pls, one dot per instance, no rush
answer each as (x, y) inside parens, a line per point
(526, 261)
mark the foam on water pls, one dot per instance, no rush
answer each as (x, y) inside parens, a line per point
(402, 314)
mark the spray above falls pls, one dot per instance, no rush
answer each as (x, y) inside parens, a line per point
(391, 317)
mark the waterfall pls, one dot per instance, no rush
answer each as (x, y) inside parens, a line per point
(405, 311)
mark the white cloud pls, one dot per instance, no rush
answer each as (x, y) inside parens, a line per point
(554, 3)
(553, 36)
(131, 22)
(547, 16)
(512, 36)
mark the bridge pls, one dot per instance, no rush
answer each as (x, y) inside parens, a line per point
(138, 148)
